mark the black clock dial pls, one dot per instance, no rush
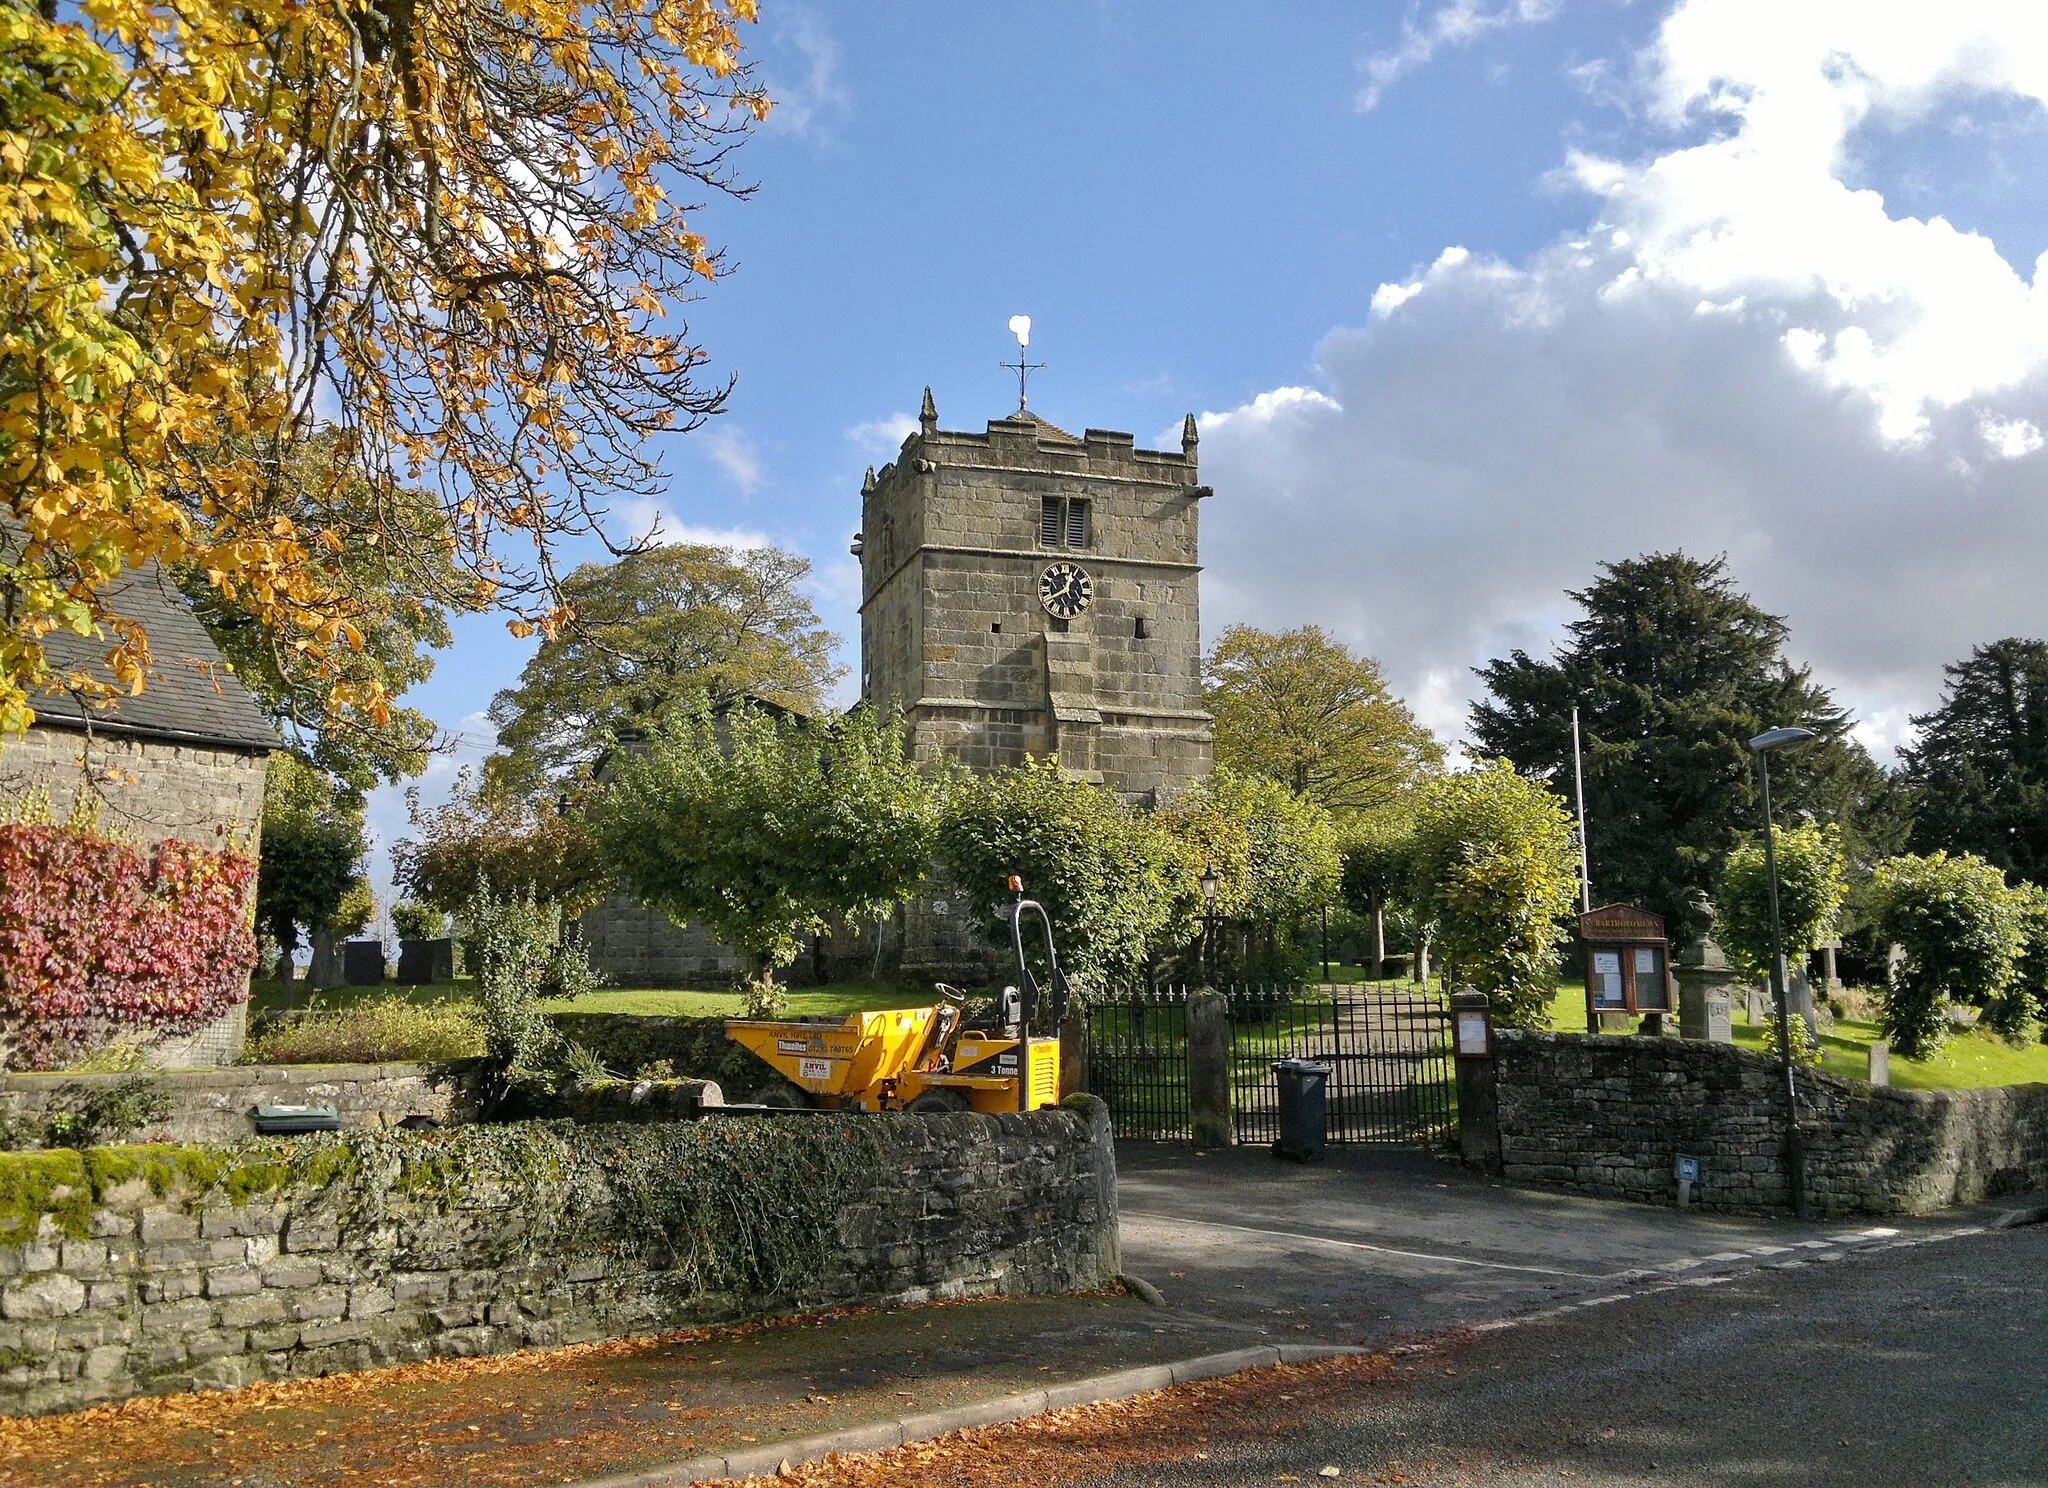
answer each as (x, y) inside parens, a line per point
(1065, 590)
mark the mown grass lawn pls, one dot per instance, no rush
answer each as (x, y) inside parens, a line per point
(646, 1002)
(804, 1002)
(1968, 1061)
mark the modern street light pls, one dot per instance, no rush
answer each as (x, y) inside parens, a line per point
(1763, 746)
(1209, 882)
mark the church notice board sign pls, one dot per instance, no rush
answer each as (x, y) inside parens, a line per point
(1628, 962)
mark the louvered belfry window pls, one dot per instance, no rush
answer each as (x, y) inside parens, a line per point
(1063, 522)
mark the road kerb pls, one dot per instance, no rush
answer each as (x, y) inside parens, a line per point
(2012, 1219)
(1122, 1385)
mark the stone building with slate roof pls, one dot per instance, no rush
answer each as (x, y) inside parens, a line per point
(185, 758)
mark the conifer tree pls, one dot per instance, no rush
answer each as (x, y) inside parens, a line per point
(1673, 669)
(1979, 774)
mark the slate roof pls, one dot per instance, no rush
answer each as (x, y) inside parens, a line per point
(190, 698)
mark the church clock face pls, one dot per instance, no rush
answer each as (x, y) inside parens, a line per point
(1065, 590)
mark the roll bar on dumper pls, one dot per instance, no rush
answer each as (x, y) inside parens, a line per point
(922, 1059)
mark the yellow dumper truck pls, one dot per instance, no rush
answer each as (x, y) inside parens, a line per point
(923, 1059)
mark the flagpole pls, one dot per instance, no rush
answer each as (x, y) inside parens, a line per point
(1579, 790)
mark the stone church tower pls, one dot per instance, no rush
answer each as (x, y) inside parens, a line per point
(1025, 591)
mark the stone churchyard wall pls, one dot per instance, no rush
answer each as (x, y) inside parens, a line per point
(139, 1270)
(218, 1105)
(1609, 1116)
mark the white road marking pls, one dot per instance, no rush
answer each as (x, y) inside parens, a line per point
(1413, 1255)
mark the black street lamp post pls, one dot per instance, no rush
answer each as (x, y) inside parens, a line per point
(1762, 746)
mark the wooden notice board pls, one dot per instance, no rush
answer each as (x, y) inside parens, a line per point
(1628, 962)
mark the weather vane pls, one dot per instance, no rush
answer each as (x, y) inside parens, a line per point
(1020, 326)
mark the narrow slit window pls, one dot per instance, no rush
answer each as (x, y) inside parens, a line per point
(996, 628)
(1144, 631)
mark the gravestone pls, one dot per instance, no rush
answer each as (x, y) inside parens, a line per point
(1880, 1063)
(424, 961)
(362, 963)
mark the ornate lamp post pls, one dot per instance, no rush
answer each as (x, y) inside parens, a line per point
(1763, 746)
(1209, 882)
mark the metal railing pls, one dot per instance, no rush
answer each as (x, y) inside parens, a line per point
(1388, 1047)
(1138, 1061)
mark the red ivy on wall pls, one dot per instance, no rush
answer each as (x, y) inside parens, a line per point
(96, 938)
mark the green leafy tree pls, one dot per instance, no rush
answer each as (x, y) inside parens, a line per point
(2028, 998)
(1496, 867)
(764, 831)
(544, 846)
(312, 840)
(1979, 774)
(1812, 885)
(1963, 932)
(1378, 868)
(663, 633)
(1298, 707)
(1111, 880)
(411, 921)
(356, 909)
(1673, 671)
(1275, 854)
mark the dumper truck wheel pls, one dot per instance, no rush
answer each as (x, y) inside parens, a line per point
(783, 1096)
(939, 1102)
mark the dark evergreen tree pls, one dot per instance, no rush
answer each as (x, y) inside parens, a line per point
(1673, 670)
(1979, 775)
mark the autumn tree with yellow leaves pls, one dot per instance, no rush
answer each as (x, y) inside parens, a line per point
(448, 241)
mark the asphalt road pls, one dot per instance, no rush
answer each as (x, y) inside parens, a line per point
(1923, 1364)
(1381, 1246)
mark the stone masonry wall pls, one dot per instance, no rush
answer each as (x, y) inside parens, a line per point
(1609, 1116)
(218, 1105)
(148, 789)
(191, 1291)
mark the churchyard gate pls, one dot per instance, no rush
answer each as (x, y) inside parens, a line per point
(1388, 1047)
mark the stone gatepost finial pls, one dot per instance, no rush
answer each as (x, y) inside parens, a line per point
(928, 416)
(867, 487)
(1189, 437)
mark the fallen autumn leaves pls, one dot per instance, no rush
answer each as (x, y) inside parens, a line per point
(1162, 1426)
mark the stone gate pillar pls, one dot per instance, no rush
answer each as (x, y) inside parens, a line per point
(1209, 1069)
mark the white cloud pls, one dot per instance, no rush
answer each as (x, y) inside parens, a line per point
(809, 96)
(1739, 354)
(742, 538)
(2010, 439)
(884, 436)
(1454, 23)
(652, 521)
(736, 455)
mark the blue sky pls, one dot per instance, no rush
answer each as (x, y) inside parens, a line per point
(1468, 294)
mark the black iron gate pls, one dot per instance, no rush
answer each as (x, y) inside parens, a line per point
(1388, 1046)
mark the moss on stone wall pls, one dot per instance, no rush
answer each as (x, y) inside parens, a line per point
(746, 1207)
